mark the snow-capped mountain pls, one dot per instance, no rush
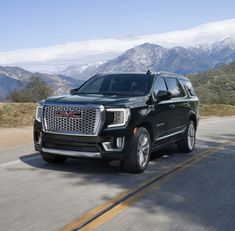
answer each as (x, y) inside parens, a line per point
(75, 70)
(177, 59)
(80, 70)
(90, 51)
(16, 73)
(13, 78)
(183, 60)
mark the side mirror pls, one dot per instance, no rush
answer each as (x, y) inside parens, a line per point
(163, 95)
(73, 91)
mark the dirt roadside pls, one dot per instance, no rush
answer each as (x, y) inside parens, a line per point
(15, 137)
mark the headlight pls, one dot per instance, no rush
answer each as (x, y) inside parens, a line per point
(120, 116)
(39, 112)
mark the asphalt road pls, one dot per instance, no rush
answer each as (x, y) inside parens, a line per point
(197, 195)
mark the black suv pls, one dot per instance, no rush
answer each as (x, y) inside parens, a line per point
(118, 116)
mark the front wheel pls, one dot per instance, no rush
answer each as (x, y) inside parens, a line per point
(52, 158)
(187, 143)
(137, 159)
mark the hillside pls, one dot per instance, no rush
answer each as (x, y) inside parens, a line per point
(216, 86)
(15, 78)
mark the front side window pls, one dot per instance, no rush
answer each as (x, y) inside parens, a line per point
(159, 85)
(119, 84)
(175, 87)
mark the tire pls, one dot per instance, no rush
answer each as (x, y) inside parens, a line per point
(187, 143)
(137, 158)
(52, 158)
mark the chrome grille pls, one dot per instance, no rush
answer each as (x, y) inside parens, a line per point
(86, 124)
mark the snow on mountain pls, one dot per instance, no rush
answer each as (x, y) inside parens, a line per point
(80, 70)
(14, 78)
(103, 49)
(73, 71)
(179, 59)
(16, 73)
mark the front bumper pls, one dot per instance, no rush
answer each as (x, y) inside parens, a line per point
(76, 154)
(83, 146)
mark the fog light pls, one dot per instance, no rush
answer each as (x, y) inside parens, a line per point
(119, 142)
(115, 144)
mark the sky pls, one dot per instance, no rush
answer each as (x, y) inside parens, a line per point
(31, 23)
(49, 25)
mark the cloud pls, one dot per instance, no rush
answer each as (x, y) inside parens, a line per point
(95, 50)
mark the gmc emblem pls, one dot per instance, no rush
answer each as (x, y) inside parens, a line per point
(70, 114)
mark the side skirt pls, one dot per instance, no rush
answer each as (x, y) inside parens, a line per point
(164, 143)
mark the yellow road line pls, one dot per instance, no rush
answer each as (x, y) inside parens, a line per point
(104, 212)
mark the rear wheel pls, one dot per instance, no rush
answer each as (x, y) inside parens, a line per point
(139, 152)
(188, 141)
(52, 158)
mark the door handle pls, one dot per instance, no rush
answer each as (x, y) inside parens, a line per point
(187, 105)
(172, 106)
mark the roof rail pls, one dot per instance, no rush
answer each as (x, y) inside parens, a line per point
(168, 73)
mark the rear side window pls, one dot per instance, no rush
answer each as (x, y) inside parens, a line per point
(188, 87)
(160, 85)
(175, 88)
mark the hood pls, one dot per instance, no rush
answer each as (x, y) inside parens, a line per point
(107, 100)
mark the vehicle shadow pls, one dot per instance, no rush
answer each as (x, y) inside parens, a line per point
(98, 166)
(102, 171)
(86, 165)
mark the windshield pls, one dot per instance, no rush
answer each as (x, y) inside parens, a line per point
(118, 84)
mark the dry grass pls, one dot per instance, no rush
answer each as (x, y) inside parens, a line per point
(217, 110)
(17, 114)
(22, 114)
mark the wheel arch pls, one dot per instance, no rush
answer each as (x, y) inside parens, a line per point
(147, 125)
(193, 117)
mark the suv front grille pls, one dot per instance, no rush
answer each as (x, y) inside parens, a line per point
(72, 120)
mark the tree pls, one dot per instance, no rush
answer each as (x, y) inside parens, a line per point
(35, 90)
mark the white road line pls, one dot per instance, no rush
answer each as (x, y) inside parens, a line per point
(18, 161)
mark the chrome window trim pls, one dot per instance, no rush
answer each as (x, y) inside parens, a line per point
(179, 100)
(100, 125)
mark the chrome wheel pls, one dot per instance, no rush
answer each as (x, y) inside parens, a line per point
(143, 150)
(191, 136)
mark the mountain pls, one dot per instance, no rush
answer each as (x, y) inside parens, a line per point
(182, 60)
(178, 59)
(216, 85)
(14, 78)
(94, 50)
(16, 73)
(7, 85)
(74, 71)
(81, 71)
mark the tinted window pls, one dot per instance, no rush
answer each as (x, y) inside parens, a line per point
(123, 84)
(175, 87)
(188, 87)
(160, 85)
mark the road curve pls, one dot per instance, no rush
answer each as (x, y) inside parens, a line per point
(197, 196)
